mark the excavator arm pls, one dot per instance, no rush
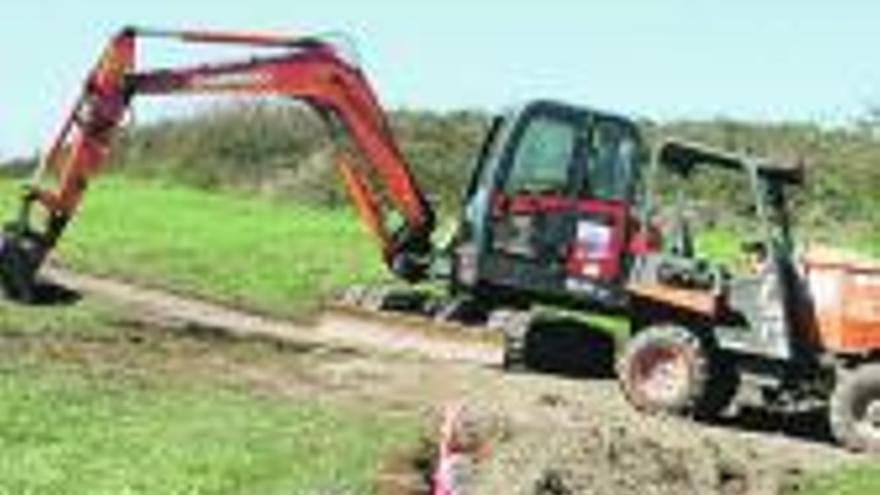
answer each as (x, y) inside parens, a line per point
(308, 69)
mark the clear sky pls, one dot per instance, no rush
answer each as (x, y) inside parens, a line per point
(752, 59)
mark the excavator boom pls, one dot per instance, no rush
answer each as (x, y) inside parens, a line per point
(307, 69)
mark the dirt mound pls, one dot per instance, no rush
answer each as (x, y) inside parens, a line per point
(562, 437)
(622, 461)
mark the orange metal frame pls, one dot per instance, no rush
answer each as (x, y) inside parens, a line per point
(309, 69)
(846, 300)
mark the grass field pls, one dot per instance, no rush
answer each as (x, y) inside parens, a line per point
(67, 429)
(69, 433)
(856, 480)
(268, 256)
(69, 426)
(271, 257)
(85, 411)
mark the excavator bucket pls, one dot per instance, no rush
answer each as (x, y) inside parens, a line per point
(20, 257)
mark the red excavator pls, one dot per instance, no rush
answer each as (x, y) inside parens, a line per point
(380, 184)
(308, 69)
(557, 213)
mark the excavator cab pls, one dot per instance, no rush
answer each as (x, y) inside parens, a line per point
(550, 212)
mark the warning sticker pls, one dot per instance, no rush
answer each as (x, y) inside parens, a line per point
(595, 238)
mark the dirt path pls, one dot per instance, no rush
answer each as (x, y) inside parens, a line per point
(336, 327)
(547, 434)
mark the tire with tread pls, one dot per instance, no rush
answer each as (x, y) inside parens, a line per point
(854, 409)
(708, 385)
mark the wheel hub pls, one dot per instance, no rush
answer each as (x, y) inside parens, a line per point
(870, 423)
(662, 374)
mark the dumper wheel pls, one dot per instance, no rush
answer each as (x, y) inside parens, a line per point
(670, 369)
(854, 411)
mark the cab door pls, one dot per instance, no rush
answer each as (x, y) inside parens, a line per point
(559, 215)
(532, 208)
(608, 188)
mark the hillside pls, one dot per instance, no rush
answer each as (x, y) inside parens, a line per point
(283, 152)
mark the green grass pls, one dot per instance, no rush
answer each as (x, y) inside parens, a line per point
(855, 480)
(268, 256)
(85, 408)
(722, 246)
(868, 243)
(88, 319)
(73, 424)
(73, 433)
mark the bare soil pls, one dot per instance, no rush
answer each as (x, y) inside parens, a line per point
(547, 434)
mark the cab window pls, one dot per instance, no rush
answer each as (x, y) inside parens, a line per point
(543, 157)
(613, 152)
